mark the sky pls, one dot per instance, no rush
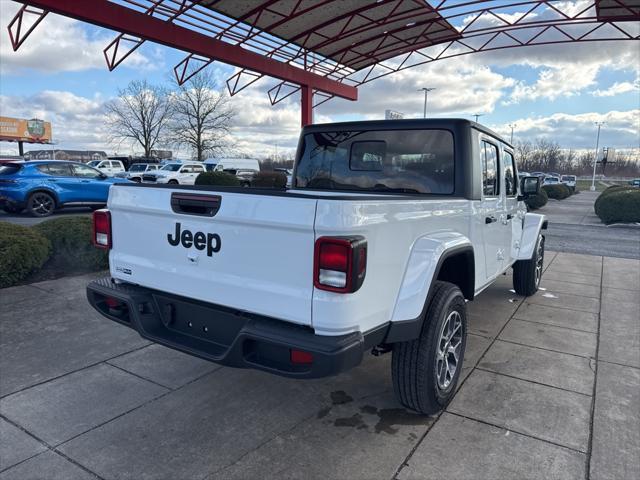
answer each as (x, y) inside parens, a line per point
(556, 92)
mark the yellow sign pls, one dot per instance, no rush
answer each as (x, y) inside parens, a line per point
(22, 130)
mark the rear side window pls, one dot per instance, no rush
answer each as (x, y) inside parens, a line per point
(55, 169)
(9, 169)
(401, 161)
(510, 184)
(489, 155)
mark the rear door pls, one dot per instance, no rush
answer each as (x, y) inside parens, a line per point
(249, 252)
(492, 208)
(62, 180)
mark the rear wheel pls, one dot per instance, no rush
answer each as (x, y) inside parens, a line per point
(41, 204)
(426, 370)
(173, 182)
(527, 274)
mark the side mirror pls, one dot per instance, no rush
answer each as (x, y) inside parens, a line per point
(529, 186)
(102, 176)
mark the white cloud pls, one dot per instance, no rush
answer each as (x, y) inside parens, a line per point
(621, 129)
(57, 44)
(616, 89)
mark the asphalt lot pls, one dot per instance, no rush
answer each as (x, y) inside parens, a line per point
(28, 220)
(551, 390)
(575, 228)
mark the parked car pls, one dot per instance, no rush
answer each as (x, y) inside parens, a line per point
(548, 180)
(184, 173)
(43, 186)
(391, 227)
(635, 182)
(540, 175)
(245, 176)
(108, 167)
(569, 181)
(221, 164)
(136, 171)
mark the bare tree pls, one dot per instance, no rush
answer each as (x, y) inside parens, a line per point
(139, 113)
(202, 117)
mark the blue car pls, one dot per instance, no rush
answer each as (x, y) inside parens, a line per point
(43, 186)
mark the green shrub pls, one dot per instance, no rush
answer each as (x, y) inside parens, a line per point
(23, 250)
(608, 191)
(537, 201)
(620, 205)
(221, 179)
(269, 180)
(558, 191)
(72, 250)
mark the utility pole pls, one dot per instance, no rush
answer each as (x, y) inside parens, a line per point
(426, 91)
(478, 115)
(512, 125)
(595, 158)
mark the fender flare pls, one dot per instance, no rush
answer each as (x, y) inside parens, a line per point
(423, 267)
(45, 190)
(531, 226)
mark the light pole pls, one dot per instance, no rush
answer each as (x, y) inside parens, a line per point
(426, 91)
(512, 125)
(595, 158)
(478, 115)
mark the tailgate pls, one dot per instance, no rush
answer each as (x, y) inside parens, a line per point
(255, 254)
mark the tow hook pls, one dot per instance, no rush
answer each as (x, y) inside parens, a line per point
(381, 349)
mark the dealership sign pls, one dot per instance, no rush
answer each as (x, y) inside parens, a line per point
(23, 130)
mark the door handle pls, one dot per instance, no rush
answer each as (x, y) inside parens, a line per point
(490, 219)
(84, 181)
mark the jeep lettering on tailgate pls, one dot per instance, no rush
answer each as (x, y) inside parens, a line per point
(200, 240)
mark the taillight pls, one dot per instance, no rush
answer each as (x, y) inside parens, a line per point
(102, 229)
(340, 263)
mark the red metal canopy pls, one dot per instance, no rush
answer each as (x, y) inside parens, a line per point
(327, 48)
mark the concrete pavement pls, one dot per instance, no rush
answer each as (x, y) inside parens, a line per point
(551, 390)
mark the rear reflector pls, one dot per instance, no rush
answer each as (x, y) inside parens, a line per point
(301, 357)
(102, 229)
(340, 263)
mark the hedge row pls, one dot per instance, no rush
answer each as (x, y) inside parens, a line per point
(537, 201)
(260, 180)
(558, 191)
(60, 246)
(618, 204)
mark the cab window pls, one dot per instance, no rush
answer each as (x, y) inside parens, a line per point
(510, 183)
(489, 156)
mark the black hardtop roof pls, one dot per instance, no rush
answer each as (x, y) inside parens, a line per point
(404, 123)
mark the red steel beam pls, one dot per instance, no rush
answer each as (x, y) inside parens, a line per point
(116, 17)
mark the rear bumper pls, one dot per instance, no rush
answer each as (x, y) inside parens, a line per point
(227, 336)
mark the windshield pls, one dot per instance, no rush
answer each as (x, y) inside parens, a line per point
(404, 161)
(93, 163)
(552, 180)
(137, 167)
(172, 167)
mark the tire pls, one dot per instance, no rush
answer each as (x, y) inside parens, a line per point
(136, 179)
(173, 182)
(419, 376)
(41, 204)
(12, 209)
(527, 274)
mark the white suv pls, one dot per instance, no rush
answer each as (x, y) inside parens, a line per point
(108, 167)
(175, 173)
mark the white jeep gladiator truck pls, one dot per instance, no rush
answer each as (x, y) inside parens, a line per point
(388, 229)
